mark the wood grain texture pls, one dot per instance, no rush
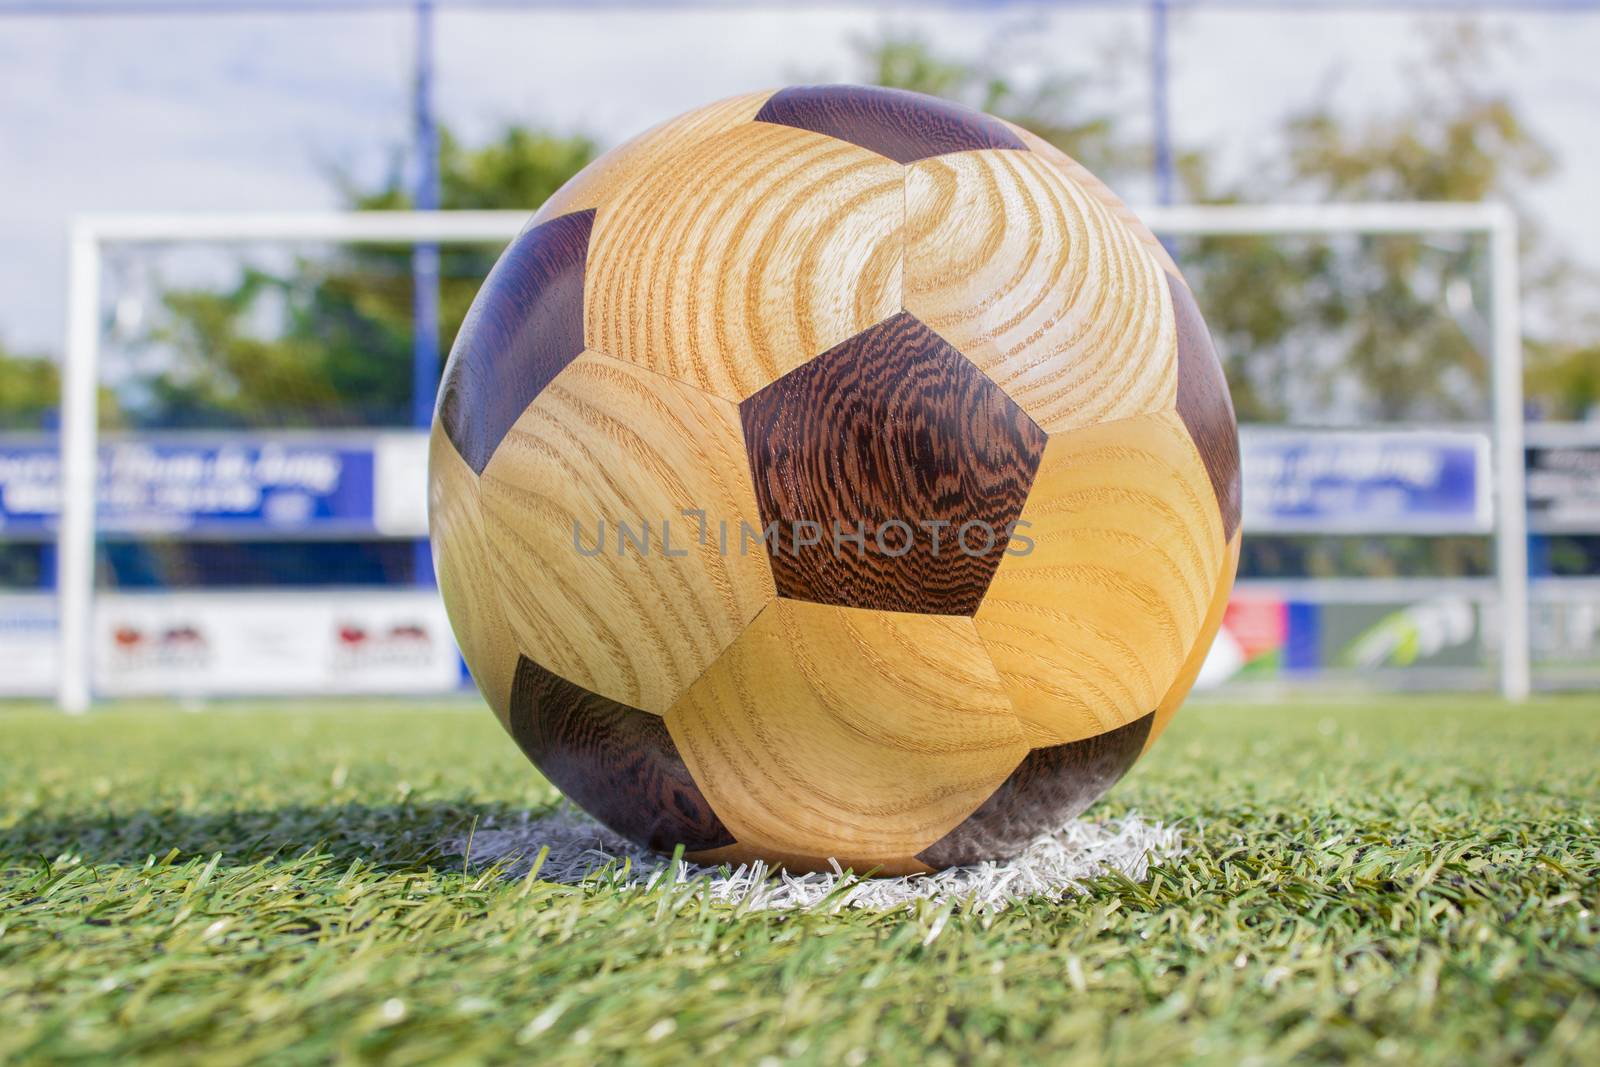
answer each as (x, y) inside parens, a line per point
(892, 426)
(1050, 786)
(1086, 180)
(598, 184)
(739, 257)
(1206, 405)
(524, 326)
(466, 577)
(1174, 697)
(1089, 628)
(1040, 285)
(617, 762)
(857, 734)
(613, 443)
(903, 125)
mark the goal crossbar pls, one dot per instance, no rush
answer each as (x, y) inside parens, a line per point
(80, 374)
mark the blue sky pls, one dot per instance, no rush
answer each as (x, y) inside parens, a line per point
(253, 112)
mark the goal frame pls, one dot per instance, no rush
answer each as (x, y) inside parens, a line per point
(89, 235)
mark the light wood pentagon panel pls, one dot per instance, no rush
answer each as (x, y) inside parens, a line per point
(1179, 690)
(466, 576)
(1040, 285)
(611, 442)
(874, 731)
(1086, 180)
(790, 243)
(598, 184)
(1090, 628)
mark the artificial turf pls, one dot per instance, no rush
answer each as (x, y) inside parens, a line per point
(1405, 880)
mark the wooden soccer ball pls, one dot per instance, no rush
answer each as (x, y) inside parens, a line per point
(834, 473)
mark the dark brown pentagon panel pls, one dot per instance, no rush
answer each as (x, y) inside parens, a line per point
(895, 435)
(1205, 405)
(904, 126)
(1049, 786)
(524, 327)
(617, 762)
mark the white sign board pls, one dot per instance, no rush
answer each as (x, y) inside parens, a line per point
(280, 643)
(28, 644)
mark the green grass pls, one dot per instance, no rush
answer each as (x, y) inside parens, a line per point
(1408, 881)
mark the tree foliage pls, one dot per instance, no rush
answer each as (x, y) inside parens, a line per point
(518, 170)
(30, 390)
(1361, 329)
(1563, 378)
(1053, 106)
(328, 341)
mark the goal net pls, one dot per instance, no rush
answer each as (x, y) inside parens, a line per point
(234, 503)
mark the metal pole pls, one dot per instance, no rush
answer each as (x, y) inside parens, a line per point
(1161, 119)
(1511, 532)
(79, 471)
(424, 260)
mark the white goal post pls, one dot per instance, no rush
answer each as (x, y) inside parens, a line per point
(1498, 224)
(89, 236)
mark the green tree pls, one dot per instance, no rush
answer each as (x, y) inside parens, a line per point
(30, 393)
(30, 390)
(1563, 378)
(327, 341)
(1369, 328)
(1052, 106)
(517, 171)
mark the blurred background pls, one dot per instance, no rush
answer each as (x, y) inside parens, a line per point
(260, 523)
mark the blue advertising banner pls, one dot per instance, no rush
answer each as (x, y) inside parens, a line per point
(334, 485)
(1414, 482)
(216, 486)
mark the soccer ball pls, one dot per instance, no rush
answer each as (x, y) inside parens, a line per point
(834, 473)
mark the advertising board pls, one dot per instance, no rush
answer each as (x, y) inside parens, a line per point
(207, 486)
(1418, 482)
